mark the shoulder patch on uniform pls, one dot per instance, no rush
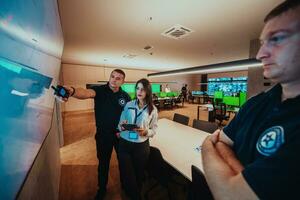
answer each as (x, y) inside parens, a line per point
(122, 101)
(270, 140)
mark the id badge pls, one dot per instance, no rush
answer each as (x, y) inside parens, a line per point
(133, 135)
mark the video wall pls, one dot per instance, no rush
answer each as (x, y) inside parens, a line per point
(31, 47)
(230, 86)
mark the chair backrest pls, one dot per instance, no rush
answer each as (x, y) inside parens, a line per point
(200, 189)
(209, 127)
(179, 98)
(182, 119)
(220, 113)
(157, 167)
(220, 109)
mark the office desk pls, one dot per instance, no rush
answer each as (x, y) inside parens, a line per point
(177, 143)
(199, 97)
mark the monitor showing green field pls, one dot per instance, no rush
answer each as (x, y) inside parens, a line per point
(232, 101)
(218, 95)
(130, 87)
(155, 88)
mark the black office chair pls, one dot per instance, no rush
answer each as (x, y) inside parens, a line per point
(178, 100)
(206, 99)
(220, 113)
(191, 98)
(218, 101)
(199, 188)
(156, 102)
(209, 127)
(182, 119)
(168, 103)
(157, 169)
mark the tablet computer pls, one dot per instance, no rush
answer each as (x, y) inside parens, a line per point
(129, 127)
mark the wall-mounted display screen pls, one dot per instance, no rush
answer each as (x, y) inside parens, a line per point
(229, 86)
(198, 93)
(155, 87)
(25, 120)
(130, 87)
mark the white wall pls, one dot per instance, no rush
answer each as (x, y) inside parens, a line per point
(80, 75)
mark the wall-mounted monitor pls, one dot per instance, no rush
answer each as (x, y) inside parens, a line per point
(130, 87)
(229, 86)
(155, 87)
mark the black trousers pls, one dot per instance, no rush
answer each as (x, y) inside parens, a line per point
(105, 142)
(133, 158)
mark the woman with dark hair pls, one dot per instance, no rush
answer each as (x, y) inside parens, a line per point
(138, 122)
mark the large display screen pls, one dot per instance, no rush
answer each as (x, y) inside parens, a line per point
(130, 87)
(31, 47)
(229, 86)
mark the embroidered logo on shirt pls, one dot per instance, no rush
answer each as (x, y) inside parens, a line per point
(270, 141)
(122, 102)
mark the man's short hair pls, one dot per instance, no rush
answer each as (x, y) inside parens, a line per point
(282, 8)
(119, 71)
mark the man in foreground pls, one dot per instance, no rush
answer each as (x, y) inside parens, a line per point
(257, 154)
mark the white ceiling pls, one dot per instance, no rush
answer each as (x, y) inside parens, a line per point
(101, 32)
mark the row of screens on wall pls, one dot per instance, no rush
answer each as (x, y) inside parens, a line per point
(230, 86)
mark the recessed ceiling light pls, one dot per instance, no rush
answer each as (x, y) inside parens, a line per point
(148, 47)
(130, 56)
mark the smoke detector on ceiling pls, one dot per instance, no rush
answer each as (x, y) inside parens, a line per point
(177, 32)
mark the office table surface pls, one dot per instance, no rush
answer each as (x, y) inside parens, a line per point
(178, 143)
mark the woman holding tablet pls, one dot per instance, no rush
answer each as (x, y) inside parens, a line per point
(138, 122)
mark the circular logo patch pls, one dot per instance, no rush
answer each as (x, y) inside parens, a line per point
(270, 141)
(122, 102)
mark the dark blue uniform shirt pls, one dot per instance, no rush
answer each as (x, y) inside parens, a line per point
(266, 136)
(108, 107)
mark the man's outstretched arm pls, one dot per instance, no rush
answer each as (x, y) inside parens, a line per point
(81, 93)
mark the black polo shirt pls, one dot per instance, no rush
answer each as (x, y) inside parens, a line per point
(108, 107)
(266, 136)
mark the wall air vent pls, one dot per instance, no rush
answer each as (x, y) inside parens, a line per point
(177, 32)
(129, 56)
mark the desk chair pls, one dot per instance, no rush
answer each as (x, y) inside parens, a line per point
(199, 188)
(168, 103)
(220, 113)
(206, 99)
(164, 176)
(209, 127)
(191, 98)
(157, 169)
(182, 119)
(156, 102)
(178, 100)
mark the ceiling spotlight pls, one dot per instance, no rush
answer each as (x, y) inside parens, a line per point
(148, 47)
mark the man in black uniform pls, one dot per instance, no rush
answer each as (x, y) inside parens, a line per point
(184, 92)
(257, 154)
(109, 102)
